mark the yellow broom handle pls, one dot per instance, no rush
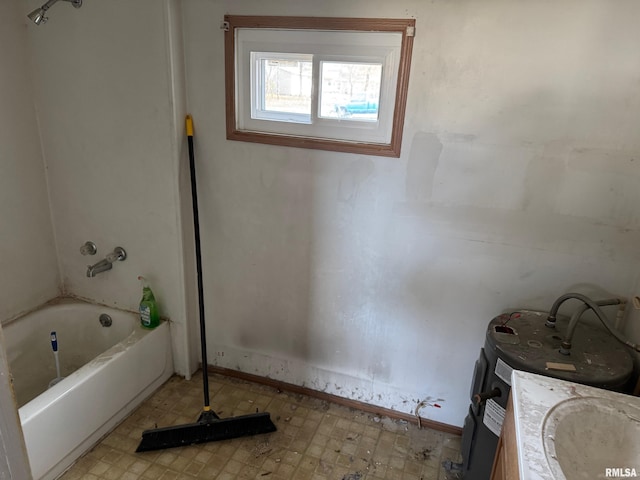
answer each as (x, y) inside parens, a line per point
(189, 125)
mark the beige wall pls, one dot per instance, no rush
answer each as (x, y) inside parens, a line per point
(375, 278)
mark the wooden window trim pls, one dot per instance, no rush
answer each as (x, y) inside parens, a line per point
(404, 26)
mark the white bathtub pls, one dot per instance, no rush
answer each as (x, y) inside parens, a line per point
(108, 371)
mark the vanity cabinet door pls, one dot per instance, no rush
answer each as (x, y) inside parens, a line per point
(505, 464)
(498, 470)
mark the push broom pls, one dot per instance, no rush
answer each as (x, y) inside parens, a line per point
(209, 427)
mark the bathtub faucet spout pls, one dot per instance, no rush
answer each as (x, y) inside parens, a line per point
(101, 266)
(117, 255)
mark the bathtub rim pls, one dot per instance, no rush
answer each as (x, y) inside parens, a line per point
(63, 300)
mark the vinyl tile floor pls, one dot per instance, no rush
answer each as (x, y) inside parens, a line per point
(315, 440)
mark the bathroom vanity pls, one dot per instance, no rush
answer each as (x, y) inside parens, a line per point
(521, 340)
(556, 430)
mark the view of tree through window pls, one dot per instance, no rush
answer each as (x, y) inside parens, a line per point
(287, 85)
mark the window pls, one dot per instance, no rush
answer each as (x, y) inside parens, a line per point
(327, 83)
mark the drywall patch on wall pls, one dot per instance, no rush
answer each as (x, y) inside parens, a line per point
(537, 232)
(602, 185)
(477, 174)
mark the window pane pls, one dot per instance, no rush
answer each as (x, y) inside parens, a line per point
(350, 91)
(284, 88)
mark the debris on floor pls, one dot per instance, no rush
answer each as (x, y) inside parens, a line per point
(315, 439)
(262, 448)
(353, 476)
(423, 454)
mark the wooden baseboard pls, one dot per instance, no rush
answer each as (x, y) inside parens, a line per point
(366, 407)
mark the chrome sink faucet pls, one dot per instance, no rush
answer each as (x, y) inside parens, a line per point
(118, 255)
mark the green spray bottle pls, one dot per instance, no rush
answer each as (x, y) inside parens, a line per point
(149, 316)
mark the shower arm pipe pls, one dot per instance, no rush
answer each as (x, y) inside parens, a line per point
(596, 309)
(50, 3)
(573, 323)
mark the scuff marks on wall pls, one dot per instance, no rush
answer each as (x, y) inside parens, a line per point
(344, 384)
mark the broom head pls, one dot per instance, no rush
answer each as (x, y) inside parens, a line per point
(208, 428)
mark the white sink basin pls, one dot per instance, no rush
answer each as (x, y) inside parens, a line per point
(585, 436)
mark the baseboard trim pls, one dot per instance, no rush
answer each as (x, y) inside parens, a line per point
(366, 407)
